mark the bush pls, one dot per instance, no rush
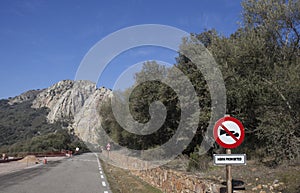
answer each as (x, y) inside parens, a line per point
(198, 161)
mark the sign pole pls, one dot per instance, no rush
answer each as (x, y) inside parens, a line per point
(229, 133)
(228, 174)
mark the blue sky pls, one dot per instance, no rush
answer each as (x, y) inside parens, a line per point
(44, 41)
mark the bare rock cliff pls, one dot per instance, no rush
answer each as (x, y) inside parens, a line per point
(26, 96)
(64, 98)
(87, 121)
(76, 102)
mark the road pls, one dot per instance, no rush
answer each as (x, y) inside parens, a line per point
(80, 174)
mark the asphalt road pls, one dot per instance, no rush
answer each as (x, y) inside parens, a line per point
(80, 174)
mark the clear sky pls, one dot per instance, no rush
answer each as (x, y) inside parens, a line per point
(44, 41)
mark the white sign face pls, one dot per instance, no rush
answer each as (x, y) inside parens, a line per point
(233, 128)
(77, 148)
(229, 159)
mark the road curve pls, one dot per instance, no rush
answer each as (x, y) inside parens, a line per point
(80, 174)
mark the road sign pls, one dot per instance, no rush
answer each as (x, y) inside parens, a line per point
(229, 132)
(108, 147)
(229, 159)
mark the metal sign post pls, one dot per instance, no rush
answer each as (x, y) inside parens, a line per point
(228, 174)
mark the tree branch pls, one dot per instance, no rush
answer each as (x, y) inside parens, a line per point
(280, 93)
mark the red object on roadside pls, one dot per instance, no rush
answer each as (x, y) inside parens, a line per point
(229, 132)
(45, 160)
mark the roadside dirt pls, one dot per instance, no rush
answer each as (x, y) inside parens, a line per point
(121, 181)
(255, 177)
(12, 166)
(259, 178)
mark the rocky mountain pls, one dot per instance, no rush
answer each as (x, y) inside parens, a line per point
(74, 102)
(26, 96)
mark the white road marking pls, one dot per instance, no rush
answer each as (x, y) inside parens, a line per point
(100, 169)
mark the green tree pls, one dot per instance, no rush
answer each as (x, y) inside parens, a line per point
(260, 67)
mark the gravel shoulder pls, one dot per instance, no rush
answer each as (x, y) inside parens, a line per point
(14, 166)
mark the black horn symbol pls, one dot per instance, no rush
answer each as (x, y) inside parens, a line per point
(222, 132)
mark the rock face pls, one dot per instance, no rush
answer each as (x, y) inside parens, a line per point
(64, 99)
(26, 96)
(75, 102)
(87, 120)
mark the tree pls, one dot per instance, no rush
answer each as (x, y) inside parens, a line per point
(280, 29)
(260, 67)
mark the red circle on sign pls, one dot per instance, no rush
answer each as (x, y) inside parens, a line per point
(238, 142)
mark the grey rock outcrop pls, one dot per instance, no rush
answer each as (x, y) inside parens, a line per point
(87, 121)
(26, 96)
(76, 102)
(64, 99)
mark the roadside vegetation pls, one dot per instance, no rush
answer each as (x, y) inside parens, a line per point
(26, 130)
(122, 181)
(260, 63)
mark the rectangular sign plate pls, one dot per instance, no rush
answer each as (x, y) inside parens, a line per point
(229, 159)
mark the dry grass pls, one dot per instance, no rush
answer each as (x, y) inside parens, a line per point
(121, 181)
(256, 174)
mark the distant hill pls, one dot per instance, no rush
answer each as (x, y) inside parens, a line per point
(19, 122)
(59, 117)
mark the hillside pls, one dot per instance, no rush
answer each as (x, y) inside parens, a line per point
(51, 119)
(19, 122)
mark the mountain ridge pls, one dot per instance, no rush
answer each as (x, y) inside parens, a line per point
(74, 102)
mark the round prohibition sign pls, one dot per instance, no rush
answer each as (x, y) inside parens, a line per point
(229, 132)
